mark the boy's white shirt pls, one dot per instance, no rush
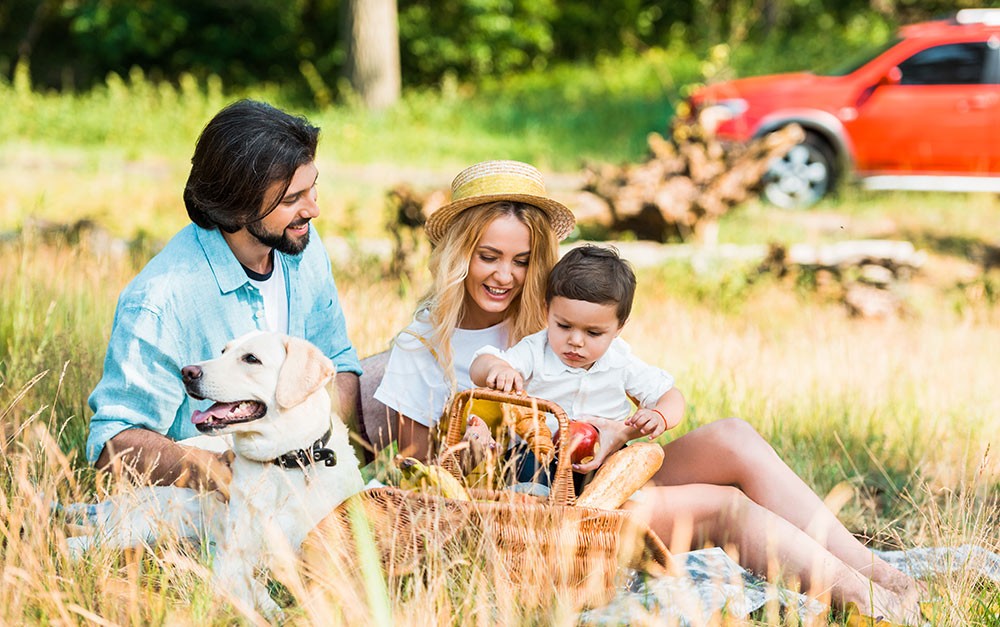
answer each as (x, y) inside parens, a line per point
(601, 391)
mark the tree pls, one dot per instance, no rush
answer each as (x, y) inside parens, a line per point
(371, 30)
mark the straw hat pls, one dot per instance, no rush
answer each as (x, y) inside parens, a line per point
(492, 181)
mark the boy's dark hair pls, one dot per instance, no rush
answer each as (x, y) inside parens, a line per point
(243, 150)
(594, 274)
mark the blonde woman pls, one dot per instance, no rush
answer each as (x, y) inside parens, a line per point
(493, 248)
(722, 483)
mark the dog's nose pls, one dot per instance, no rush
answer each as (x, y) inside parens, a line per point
(190, 373)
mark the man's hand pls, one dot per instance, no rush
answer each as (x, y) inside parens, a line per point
(206, 470)
(155, 458)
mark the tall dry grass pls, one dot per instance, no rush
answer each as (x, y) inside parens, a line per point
(902, 412)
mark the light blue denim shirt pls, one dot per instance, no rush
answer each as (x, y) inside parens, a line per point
(185, 305)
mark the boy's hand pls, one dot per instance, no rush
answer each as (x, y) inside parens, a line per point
(504, 378)
(649, 421)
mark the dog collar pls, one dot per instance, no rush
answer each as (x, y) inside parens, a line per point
(301, 458)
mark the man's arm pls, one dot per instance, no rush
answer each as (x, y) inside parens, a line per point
(165, 462)
(349, 410)
(349, 397)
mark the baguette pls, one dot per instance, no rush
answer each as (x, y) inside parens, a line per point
(621, 475)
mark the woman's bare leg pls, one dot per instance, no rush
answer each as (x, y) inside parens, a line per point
(692, 515)
(730, 452)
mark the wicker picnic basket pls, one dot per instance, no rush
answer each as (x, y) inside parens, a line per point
(541, 548)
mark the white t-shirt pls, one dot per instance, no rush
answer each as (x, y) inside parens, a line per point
(272, 290)
(602, 391)
(414, 383)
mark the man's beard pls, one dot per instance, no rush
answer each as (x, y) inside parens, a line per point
(280, 241)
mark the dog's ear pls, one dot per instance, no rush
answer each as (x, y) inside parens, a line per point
(305, 370)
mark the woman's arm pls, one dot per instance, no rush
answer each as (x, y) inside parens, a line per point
(414, 439)
(402, 381)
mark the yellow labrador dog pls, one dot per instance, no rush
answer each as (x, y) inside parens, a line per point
(293, 462)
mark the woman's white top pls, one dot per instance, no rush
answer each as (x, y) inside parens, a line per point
(415, 384)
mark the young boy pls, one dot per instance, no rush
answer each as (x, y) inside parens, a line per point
(579, 362)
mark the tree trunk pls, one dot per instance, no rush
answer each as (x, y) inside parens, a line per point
(27, 44)
(772, 10)
(373, 51)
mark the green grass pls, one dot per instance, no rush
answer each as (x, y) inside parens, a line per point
(555, 119)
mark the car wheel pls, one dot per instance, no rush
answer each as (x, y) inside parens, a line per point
(803, 176)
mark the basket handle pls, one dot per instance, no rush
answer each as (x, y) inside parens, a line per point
(561, 491)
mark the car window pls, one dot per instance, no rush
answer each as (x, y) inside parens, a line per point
(858, 60)
(950, 64)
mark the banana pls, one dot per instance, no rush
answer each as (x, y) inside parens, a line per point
(429, 478)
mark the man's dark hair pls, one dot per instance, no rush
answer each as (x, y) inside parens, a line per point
(594, 274)
(244, 149)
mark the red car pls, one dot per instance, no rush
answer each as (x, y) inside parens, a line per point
(923, 113)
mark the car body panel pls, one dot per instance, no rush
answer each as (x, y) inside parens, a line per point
(928, 104)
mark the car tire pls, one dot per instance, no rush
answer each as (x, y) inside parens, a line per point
(801, 177)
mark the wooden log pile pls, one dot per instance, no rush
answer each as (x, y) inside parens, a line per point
(863, 274)
(407, 212)
(868, 277)
(85, 233)
(686, 184)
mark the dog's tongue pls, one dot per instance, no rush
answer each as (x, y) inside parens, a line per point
(219, 410)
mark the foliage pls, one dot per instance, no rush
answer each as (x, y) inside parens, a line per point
(299, 45)
(556, 118)
(130, 112)
(473, 38)
(247, 41)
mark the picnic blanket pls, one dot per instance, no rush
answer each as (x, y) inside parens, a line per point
(713, 582)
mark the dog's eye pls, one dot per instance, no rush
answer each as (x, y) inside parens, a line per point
(250, 358)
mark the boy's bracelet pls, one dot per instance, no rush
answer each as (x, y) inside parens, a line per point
(660, 414)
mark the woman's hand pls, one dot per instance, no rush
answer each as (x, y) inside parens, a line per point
(613, 435)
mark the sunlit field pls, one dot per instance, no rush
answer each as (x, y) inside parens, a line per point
(902, 412)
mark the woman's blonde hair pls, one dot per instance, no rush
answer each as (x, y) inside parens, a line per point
(444, 304)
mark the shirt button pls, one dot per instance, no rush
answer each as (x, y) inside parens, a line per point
(259, 315)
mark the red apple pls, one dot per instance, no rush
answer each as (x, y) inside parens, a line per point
(584, 441)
